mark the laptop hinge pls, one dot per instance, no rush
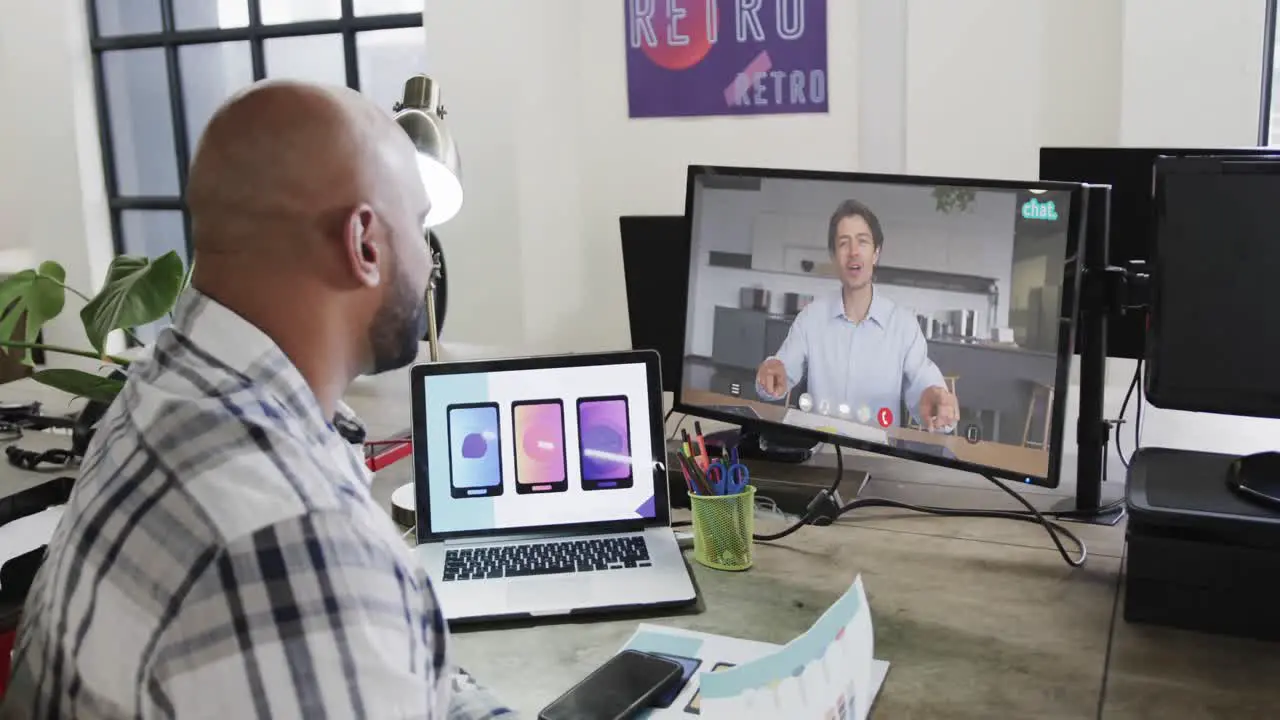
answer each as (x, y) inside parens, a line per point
(535, 537)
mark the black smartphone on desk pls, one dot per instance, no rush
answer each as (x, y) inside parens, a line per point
(617, 690)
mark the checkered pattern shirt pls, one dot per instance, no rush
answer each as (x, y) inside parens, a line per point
(221, 557)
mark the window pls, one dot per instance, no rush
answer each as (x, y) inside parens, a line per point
(162, 67)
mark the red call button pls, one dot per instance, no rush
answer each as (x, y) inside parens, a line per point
(884, 417)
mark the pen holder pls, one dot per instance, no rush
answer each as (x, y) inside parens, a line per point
(722, 528)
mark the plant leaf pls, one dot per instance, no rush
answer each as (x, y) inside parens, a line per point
(138, 290)
(80, 383)
(38, 295)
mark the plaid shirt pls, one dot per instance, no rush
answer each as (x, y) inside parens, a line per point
(221, 557)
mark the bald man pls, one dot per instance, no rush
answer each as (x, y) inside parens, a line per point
(221, 555)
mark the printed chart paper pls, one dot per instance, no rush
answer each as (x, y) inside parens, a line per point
(828, 673)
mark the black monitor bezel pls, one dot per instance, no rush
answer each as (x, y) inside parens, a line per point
(641, 286)
(1210, 401)
(1073, 271)
(653, 378)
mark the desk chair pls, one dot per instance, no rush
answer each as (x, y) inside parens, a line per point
(1038, 390)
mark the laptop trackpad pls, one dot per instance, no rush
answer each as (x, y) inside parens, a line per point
(567, 593)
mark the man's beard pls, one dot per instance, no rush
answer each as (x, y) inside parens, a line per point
(397, 327)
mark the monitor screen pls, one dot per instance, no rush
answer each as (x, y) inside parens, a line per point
(892, 313)
(521, 448)
(1212, 346)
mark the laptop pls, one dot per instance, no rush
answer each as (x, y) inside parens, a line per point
(541, 487)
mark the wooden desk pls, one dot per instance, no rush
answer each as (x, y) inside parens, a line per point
(980, 618)
(1022, 460)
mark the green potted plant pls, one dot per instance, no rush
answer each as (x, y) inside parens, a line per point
(138, 290)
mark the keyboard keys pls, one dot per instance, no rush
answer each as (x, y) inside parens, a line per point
(549, 558)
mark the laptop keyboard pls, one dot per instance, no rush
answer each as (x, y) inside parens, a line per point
(546, 558)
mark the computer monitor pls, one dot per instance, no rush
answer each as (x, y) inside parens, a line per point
(1212, 346)
(649, 242)
(888, 303)
(1129, 173)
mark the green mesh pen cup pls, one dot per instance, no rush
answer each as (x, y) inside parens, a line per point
(722, 528)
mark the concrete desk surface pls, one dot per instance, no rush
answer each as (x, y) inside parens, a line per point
(980, 618)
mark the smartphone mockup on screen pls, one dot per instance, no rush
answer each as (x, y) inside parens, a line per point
(617, 690)
(538, 426)
(604, 442)
(475, 450)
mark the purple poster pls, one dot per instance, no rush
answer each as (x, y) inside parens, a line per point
(726, 57)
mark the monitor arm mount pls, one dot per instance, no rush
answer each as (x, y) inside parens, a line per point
(1103, 288)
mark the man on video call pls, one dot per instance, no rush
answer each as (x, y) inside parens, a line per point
(857, 347)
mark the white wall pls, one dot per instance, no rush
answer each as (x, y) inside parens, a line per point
(52, 200)
(1192, 72)
(551, 161)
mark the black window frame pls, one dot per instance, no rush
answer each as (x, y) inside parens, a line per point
(170, 39)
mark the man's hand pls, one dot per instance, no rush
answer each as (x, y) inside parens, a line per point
(772, 378)
(939, 409)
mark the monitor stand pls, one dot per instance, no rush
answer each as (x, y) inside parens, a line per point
(769, 445)
(1256, 478)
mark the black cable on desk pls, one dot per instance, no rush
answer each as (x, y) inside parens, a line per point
(825, 498)
(675, 429)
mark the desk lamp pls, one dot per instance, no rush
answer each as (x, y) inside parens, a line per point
(421, 116)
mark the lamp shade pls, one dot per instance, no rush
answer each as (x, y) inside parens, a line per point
(421, 116)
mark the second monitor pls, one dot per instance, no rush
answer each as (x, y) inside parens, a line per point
(923, 317)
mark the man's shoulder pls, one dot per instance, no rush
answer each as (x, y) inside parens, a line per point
(236, 458)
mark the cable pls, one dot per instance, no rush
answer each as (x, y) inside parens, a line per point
(1134, 384)
(825, 499)
(675, 429)
(1137, 424)
(1124, 408)
(32, 459)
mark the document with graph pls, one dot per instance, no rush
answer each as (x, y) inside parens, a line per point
(828, 673)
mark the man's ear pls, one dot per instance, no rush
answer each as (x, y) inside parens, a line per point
(363, 241)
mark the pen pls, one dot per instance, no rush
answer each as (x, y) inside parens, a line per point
(688, 476)
(698, 479)
(704, 460)
(688, 480)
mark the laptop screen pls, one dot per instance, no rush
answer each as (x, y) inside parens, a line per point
(525, 448)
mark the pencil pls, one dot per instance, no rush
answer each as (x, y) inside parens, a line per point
(702, 487)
